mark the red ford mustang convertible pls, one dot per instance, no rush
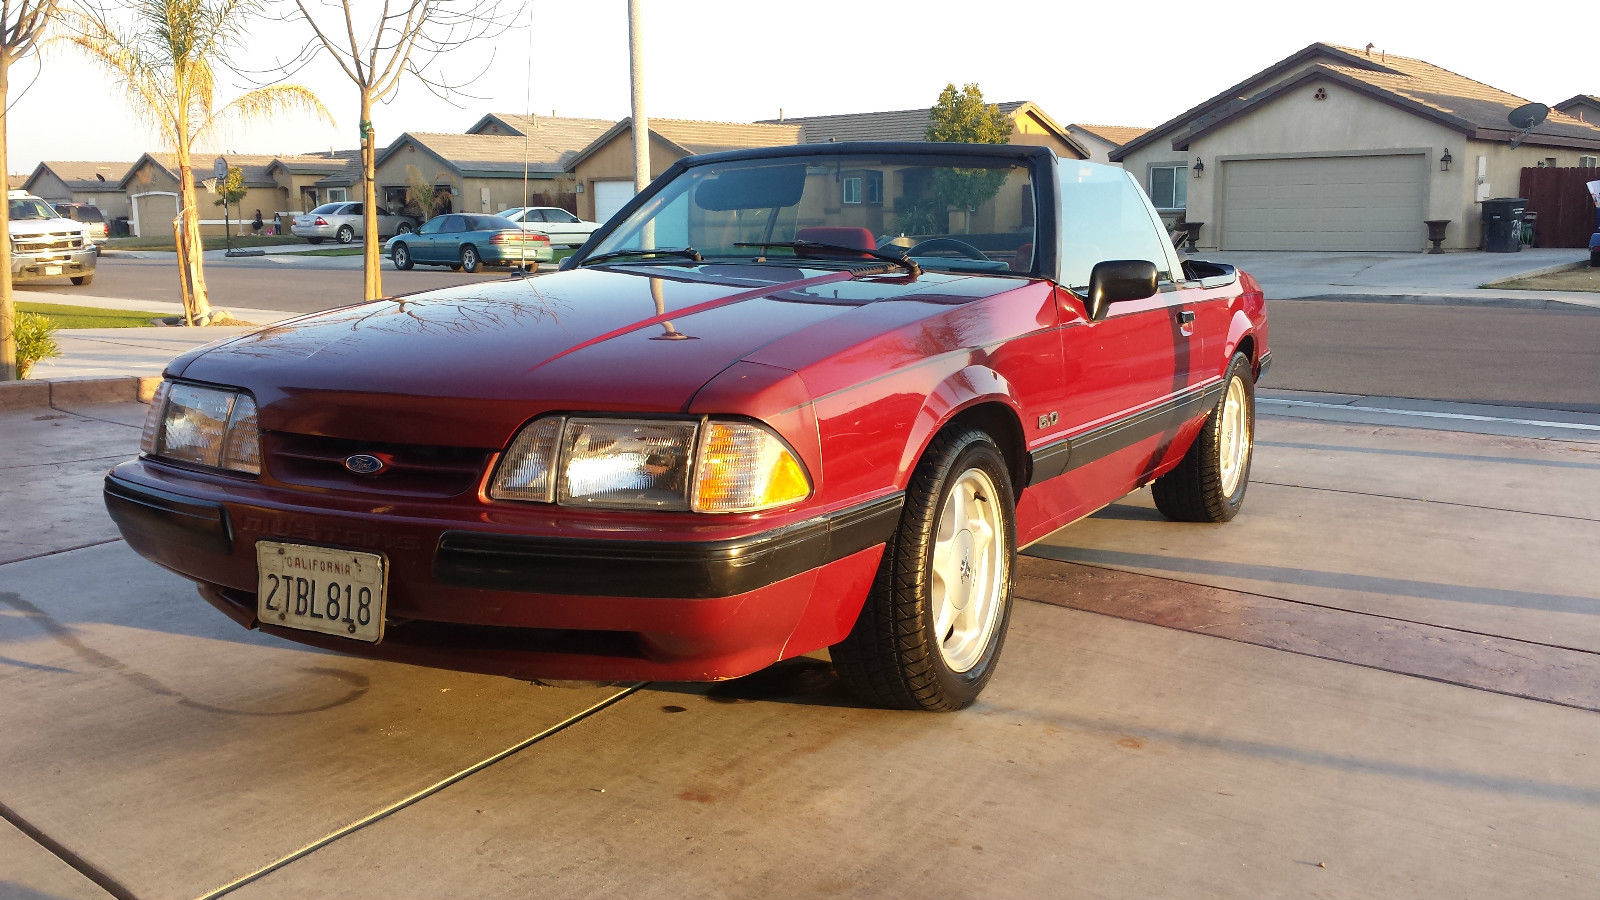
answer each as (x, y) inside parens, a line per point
(787, 399)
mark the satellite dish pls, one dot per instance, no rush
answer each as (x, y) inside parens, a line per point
(1528, 115)
(1525, 118)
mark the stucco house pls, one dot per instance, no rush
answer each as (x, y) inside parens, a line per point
(95, 183)
(1100, 140)
(604, 169)
(1585, 107)
(1030, 125)
(306, 181)
(1334, 148)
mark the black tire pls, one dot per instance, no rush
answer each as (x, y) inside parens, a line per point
(312, 240)
(893, 657)
(1594, 259)
(470, 260)
(401, 254)
(81, 280)
(345, 234)
(1193, 492)
(403, 228)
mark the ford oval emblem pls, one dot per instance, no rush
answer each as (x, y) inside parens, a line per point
(363, 464)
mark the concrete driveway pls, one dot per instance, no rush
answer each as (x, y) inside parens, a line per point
(1382, 680)
(1295, 275)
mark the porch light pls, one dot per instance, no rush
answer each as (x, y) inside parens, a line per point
(1446, 160)
(1199, 167)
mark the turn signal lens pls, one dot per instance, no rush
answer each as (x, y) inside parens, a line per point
(241, 451)
(744, 468)
(152, 419)
(525, 471)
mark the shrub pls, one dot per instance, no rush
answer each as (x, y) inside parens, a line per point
(35, 341)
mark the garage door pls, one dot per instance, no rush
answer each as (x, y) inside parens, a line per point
(1324, 203)
(610, 196)
(153, 214)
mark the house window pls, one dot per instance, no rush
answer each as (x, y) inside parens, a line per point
(336, 195)
(395, 197)
(1169, 187)
(1587, 162)
(863, 188)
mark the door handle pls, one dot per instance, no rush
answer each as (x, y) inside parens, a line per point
(1185, 317)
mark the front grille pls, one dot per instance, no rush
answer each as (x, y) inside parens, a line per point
(57, 242)
(417, 470)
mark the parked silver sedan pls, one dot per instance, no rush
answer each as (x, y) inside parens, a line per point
(343, 222)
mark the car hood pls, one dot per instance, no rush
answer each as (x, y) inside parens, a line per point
(469, 364)
(24, 227)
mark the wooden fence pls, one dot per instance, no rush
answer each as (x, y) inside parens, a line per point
(1561, 198)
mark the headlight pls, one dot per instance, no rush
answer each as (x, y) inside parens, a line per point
(205, 426)
(707, 466)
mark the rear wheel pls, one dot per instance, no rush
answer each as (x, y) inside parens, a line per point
(81, 280)
(403, 228)
(1209, 484)
(401, 255)
(346, 234)
(935, 620)
(470, 259)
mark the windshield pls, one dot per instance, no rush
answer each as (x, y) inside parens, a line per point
(952, 214)
(31, 208)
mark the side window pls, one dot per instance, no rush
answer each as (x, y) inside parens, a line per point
(534, 215)
(1105, 215)
(561, 216)
(431, 226)
(452, 225)
(353, 209)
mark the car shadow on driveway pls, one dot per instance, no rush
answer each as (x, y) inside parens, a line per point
(1345, 581)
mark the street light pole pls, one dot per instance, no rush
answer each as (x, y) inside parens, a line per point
(641, 122)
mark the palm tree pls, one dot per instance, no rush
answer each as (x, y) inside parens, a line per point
(167, 54)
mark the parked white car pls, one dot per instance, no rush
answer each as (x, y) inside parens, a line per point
(45, 244)
(342, 222)
(563, 228)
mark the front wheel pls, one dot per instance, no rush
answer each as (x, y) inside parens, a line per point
(934, 622)
(1209, 484)
(401, 254)
(81, 280)
(346, 234)
(470, 259)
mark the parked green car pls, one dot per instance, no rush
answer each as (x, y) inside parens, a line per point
(467, 241)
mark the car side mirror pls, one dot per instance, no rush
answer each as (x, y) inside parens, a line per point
(1116, 280)
(566, 263)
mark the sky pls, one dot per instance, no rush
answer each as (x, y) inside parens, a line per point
(1102, 63)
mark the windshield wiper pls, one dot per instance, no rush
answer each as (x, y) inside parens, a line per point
(799, 246)
(685, 252)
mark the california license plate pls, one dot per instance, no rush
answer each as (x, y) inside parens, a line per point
(340, 592)
(52, 270)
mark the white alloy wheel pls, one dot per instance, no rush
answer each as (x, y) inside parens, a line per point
(1235, 437)
(968, 571)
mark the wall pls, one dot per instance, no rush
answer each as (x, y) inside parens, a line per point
(614, 162)
(1027, 130)
(395, 172)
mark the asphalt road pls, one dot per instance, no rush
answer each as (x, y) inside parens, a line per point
(1513, 357)
(294, 285)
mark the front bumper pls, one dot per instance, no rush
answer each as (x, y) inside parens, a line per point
(66, 264)
(523, 605)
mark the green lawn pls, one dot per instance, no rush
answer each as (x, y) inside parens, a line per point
(334, 251)
(65, 316)
(212, 242)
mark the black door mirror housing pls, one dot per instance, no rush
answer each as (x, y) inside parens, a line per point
(1116, 280)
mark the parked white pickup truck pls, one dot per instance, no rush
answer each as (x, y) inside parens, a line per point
(46, 245)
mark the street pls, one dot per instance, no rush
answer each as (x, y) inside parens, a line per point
(1381, 680)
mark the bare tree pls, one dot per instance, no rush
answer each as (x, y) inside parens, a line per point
(377, 43)
(167, 55)
(24, 23)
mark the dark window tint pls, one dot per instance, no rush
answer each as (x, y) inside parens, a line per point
(453, 225)
(353, 209)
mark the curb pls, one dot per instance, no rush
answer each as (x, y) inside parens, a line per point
(1449, 300)
(62, 392)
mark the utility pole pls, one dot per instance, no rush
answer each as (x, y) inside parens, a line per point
(641, 122)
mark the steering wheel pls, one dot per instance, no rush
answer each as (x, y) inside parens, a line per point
(945, 243)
